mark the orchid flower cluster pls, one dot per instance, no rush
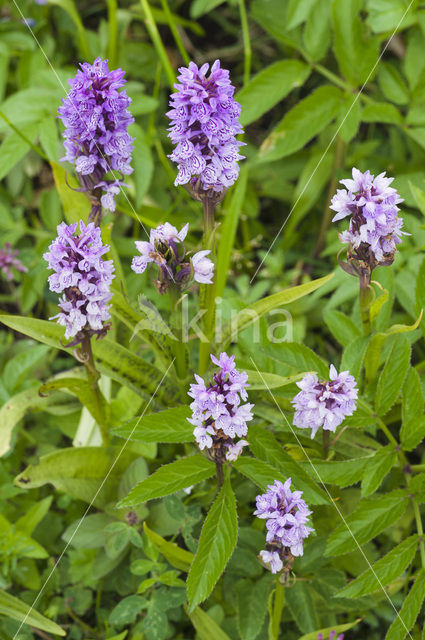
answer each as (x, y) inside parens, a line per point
(9, 260)
(166, 249)
(204, 122)
(375, 227)
(218, 415)
(286, 516)
(324, 404)
(96, 117)
(84, 279)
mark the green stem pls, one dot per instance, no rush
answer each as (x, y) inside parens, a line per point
(173, 28)
(246, 42)
(278, 604)
(339, 82)
(179, 347)
(420, 530)
(207, 291)
(93, 378)
(33, 146)
(365, 299)
(113, 33)
(155, 94)
(157, 42)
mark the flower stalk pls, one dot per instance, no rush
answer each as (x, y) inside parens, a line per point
(365, 277)
(277, 609)
(86, 357)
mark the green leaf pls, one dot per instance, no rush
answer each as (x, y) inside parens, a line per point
(269, 87)
(80, 472)
(393, 374)
(13, 608)
(412, 409)
(377, 468)
(317, 31)
(72, 11)
(297, 13)
(35, 514)
(205, 626)
(354, 355)
(170, 425)
(383, 572)
(127, 610)
(341, 326)
(300, 603)
(392, 84)
(381, 112)
(76, 205)
(170, 478)
(356, 55)
(265, 446)
(386, 15)
(339, 628)
(409, 611)
(112, 359)
(216, 543)
(372, 516)
(228, 231)
(201, 7)
(80, 387)
(87, 532)
(48, 133)
(259, 380)
(343, 473)
(20, 366)
(252, 606)
(14, 148)
(299, 357)
(142, 163)
(12, 411)
(300, 125)
(176, 556)
(253, 312)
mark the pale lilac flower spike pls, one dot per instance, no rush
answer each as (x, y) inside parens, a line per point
(166, 249)
(9, 260)
(286, 515)
(324, 404)
(375, 226)
(204, 122)
(331, 636)
(218, 415)
(84, 278)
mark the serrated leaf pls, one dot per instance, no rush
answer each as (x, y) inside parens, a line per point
(300, 603)
(170, 425)
(377, 468)
(205, 625)
(384, 571)
(216, 543)
(252, 606)
(170, 478)
(392, 84)
(372, 516)
(317, 32)
(409, 611)
(269, 87)
(354, 355)
(266, 447)
(381, 112)
(393, 374)
(412, 410)
(343, 473)
(298, 356)
(300, 125)
(177, 557)
(341, 326)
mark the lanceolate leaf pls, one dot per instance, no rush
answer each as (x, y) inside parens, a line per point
(259, 380)
(205, 626)
(251, 313)
(384, 571)
(343, 473)
(265, 446)
(252, 606)
(393, 374)
(80, 472)
(339, 628)
(301, 604)
(341, 326)
(372, 516)
(80, 387)
(170, 478)
(412, 411)
(298, 356)
(176, 556)
(218, 539)
(13, 608)
(308, 118)
(270, 86)
(170, 425)
(409, 611)
(377, 468)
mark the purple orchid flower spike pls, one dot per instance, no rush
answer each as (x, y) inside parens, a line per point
(84, 278)
(9, 260)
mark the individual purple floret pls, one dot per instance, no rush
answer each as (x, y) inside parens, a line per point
(218, 415)
(83, 277)
(204, 118)
(9, 261)
(331, 636)
(375, 227)
(166, 249)
(324, 404)
(286, 516)
(96, 118)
